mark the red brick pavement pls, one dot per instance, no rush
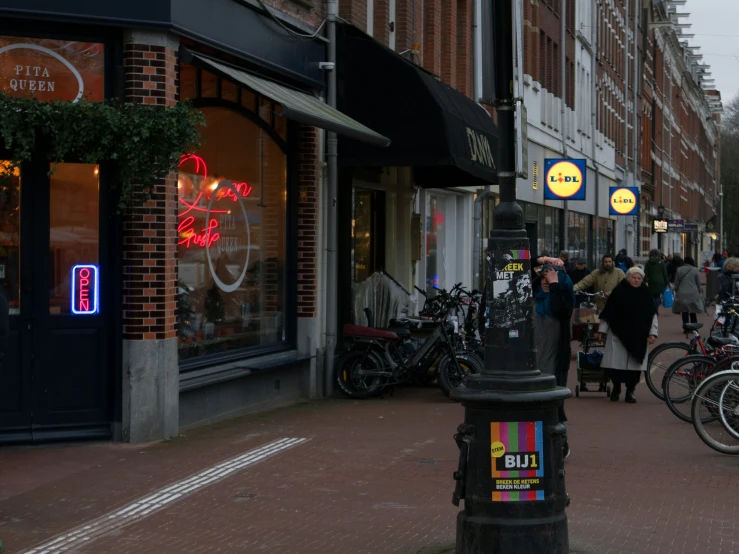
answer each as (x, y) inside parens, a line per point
(375, 477)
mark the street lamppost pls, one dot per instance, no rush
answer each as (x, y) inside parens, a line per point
(721, 228)
(511, 463)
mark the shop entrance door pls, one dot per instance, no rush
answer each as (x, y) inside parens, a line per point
(55, 379)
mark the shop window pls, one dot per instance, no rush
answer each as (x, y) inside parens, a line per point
(441, 242)
(73, 236)
(367, 233)
(10, 228)
(229, 91)
(231, 239)
(188, 89)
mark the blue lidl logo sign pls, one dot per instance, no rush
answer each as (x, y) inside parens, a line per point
(624, 201)
(564, 179)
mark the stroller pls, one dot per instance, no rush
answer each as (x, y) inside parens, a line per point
(585, 323)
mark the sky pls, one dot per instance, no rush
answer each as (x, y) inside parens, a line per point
(714, 23)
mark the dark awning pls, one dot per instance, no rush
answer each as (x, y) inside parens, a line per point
(295, 105)
(448, 139)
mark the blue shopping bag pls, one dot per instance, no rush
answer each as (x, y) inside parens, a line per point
(667, 298)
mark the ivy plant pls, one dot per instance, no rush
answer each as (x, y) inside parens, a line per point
(139, 143)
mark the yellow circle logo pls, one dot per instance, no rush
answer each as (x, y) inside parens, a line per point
(564, 179)
(497, 449)
(623, 201)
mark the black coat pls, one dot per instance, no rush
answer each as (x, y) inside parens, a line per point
(577, 275)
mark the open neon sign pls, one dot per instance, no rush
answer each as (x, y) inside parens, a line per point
(207, 236)
(84, 289)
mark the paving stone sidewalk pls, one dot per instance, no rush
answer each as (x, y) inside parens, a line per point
(374, 477)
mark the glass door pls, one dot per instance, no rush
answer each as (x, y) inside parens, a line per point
(55, 382)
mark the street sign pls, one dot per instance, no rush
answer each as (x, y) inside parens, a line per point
(624, 201)
(564, 179)
(675, 225)
(659, 226)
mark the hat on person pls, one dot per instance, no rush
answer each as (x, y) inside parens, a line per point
(634, 270)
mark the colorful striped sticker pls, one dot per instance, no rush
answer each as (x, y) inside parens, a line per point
(521, 254)
(517, 461)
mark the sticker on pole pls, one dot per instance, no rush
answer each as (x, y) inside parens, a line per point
(517, 461)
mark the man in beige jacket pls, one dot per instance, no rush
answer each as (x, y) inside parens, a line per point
(602, 280)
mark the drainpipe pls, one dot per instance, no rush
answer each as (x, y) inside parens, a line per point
(635, 120)
(563, 94)
(477, 239)
(477, 50)
(626, 110)
(331, 214)
(594, 128)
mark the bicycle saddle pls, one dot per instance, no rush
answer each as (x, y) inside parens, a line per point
(720, 341)
(692, 326)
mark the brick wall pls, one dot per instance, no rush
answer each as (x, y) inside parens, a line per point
(382, 22)
(307, 220)
(149, 230)
(355, 12)
(312, 16)
(464, 59)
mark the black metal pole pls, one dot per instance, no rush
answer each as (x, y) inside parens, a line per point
(511, 470)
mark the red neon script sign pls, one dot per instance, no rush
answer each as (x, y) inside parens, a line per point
(186, 228)
(84, 289)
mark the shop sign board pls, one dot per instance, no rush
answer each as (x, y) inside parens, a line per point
(47, 69)
(691, 228)
(659, 226)
(675, 225)
(564, 179)
(624, 201)
(84, 290)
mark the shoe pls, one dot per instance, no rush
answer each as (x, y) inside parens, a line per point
(566, 449)
(583, 387)
(630, 397)
(615, 395)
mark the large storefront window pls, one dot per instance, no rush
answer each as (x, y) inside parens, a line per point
(606, 241)
(577, 236)
(231, 238)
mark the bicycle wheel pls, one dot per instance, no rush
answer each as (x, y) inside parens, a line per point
(352, 379)
(719, 393)
(659, 361)
(680, 382)
(451, 377)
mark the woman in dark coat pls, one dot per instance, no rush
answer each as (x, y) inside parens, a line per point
(688, 293)
(630, 320)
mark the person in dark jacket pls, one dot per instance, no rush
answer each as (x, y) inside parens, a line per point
(577, 274)
(656, 276)
(623, 261)
(554, 302)
(676, 262)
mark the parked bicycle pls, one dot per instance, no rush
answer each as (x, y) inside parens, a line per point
(381, 358)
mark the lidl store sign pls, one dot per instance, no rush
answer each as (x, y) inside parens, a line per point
(624, 201)
(564, 179)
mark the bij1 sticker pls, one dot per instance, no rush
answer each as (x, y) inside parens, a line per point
(564, 179)
(624, 201)
(517, 461)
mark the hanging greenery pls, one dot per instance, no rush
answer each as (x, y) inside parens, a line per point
(138, 143)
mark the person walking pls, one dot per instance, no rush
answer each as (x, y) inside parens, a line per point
(630, 324)
(554, 301)
(623, 261)
(655, 274)
(688, 294)
(602, 280)
(722, 259)
(673, 266)
(577, 274)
